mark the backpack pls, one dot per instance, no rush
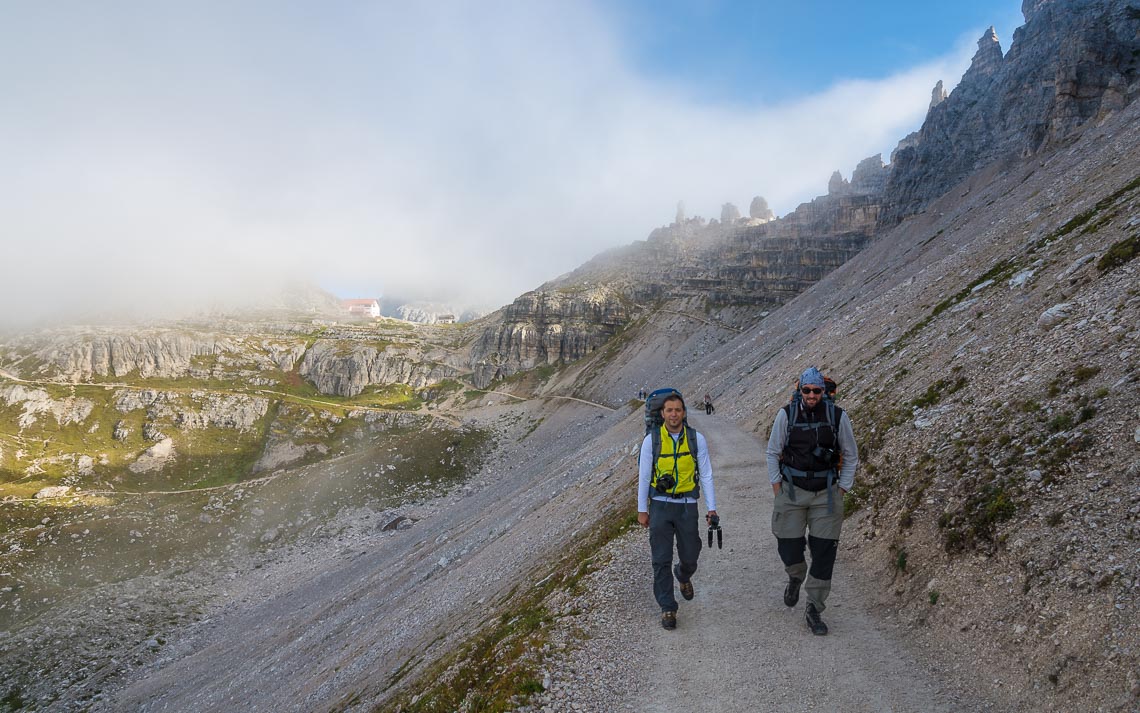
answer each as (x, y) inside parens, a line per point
(653, 422)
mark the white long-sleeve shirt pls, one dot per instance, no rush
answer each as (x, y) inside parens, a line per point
(645, 473)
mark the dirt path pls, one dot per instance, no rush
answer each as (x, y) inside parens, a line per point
(737, 648)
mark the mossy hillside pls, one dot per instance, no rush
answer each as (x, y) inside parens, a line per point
(205, 457)
(52, 450)
(980, 471)
(67, 544)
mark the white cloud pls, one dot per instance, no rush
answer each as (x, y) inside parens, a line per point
(163, 157)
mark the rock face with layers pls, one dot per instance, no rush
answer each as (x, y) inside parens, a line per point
(81, 355)
(343, 369)
(547, 327)
(1072, 62)
(762, 263)
(165, 354)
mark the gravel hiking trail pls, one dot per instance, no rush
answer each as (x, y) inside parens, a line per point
(737, 648)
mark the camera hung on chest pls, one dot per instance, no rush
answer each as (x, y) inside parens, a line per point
(827, 455)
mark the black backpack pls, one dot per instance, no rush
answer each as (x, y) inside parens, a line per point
(653, 422)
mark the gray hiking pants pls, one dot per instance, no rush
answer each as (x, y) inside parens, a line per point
(808, 514)
(669, 522)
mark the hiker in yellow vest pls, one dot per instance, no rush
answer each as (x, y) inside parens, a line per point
(667, 490)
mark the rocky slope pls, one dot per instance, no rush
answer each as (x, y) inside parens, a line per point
(986, 347)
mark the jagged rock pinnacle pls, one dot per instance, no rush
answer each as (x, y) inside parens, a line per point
(988, 59)
(837, 185)
(759, 209)
(937, 95)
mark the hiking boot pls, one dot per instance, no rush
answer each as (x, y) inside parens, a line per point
(792, 591)
(686, 587)
(669, 620)
(814, 622)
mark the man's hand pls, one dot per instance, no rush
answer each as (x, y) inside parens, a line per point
(643, 519)
(710, 515)
(776, 488)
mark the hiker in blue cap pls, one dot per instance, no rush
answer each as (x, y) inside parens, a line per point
(811, 464)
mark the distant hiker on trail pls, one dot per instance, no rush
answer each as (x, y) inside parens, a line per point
(708, 405)
(675, 479)
(811, 464)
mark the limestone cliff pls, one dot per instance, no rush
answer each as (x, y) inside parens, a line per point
(343, 368)
(752, 262)
(1072, 63)
(547, 326)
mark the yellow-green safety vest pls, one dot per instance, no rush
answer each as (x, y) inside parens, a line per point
(677, 459)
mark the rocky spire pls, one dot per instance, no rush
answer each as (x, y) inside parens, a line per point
(937, 95)
(729, 214)
(987, 60)
(837, 185)
(759, 209)
(680, 212)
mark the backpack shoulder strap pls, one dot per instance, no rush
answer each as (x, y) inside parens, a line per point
(790, 411)
(656, 435)
(694, 449)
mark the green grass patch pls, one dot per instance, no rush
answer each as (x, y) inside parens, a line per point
(1120, 253)
(1081, 219)
(937, 390)
(900, 560)
(975, 523)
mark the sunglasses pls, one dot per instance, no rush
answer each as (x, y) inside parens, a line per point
(809, 390)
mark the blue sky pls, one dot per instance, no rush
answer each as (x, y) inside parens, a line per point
(761, 52)
(463, 151)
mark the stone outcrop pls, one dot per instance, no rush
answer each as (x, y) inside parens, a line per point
(548, 327)
(870, 176)
(345, 368)
(159, 354)
(837, 184)
(729, 213)
(759, 210)
(773, 262)
(154, 458)
(37, 402)
(937, 95)
(1071, 63)
(196, 410)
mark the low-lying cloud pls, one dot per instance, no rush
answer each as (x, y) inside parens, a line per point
(160, 158)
